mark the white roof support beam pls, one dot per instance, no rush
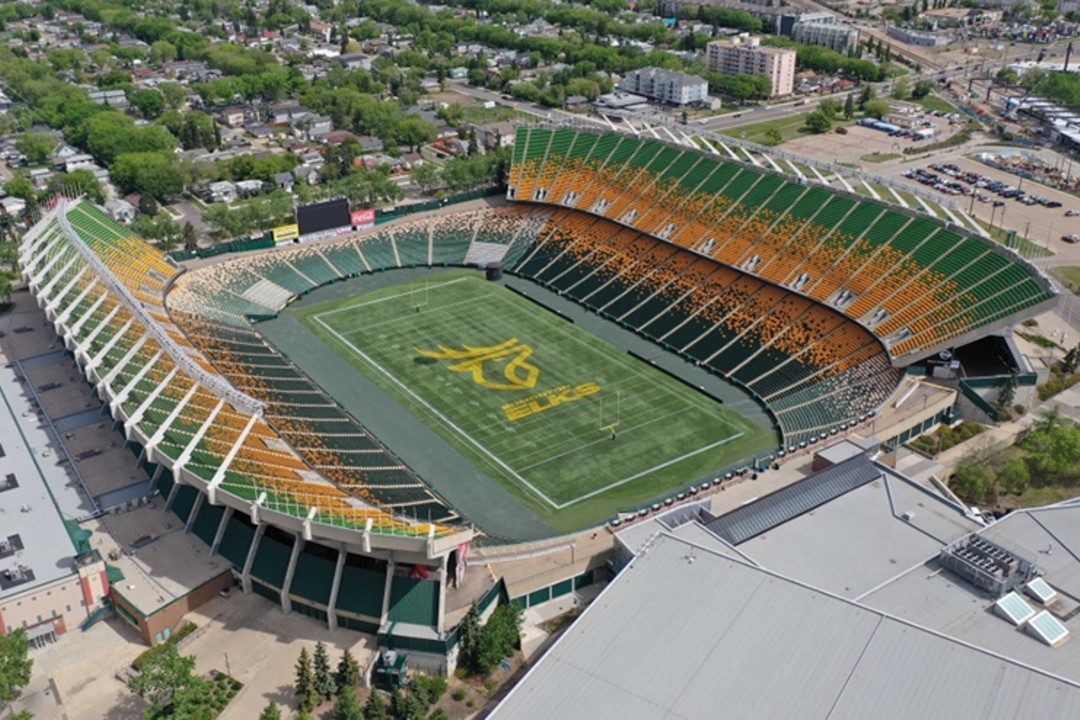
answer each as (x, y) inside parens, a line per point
(185, 456)
(102, 324)
(51, 307)
(137, 416)
(106, 382)
(31, 264)
(62, 318)
(46, 291)
(159, 434)
(121, 397)
(93, 362)
(78, 325)
(219, 474)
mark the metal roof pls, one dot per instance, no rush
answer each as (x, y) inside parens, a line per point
(789, 502)
(683, 632)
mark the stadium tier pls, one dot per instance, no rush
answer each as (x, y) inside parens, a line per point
(104, 290)
(919, 285)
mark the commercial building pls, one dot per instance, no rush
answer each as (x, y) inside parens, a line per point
(841, 38)
(666, 86)
(921, 39)
(50, 579)
(745, 54)
(925, 612)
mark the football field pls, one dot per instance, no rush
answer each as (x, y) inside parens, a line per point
(564, 420)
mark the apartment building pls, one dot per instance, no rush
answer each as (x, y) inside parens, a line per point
(744, 54)
(667, 86)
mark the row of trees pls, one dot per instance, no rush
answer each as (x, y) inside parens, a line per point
(1050, 452)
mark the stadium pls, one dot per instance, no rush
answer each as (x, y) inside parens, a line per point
(669, 318)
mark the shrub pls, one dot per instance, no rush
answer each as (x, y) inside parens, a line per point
(458, 694)
(185, 630)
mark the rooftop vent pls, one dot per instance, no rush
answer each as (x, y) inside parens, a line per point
(986, 565)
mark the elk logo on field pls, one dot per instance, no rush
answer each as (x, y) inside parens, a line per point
(519, 373)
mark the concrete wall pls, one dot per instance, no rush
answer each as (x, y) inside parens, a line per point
(61, 601)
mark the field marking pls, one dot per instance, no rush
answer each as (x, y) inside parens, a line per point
(661, 466)
(388, 297)
(618, 361)
(606, 438)
(407, 390)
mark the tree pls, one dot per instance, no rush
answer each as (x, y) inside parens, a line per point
(175, 94)
(348, 672)
(151, 173)
(1014, 477)
(163, 675)
(108, 134)
(375, 707)
(866, 95)
(415, 131)
(818, 122)
(36, 146)
(1008, 392)
(148, 102)
(425, 175)
(876, 108)
(324, 678)
(270, 712)
(849, 107)
(973, 482)
(347, 707)
(304, 689)
(190, 239)
(1071, 360)
(830, 107)
(19, 187)
(773, 137)
(922, 89)
(470, 639)
(148, 205)
(76, 183)
(900, 89)
(15, 665)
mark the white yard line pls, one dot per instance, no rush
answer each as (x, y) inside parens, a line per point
(388, 297)
(661, 466)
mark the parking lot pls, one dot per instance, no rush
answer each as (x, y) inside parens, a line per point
(1043, 224)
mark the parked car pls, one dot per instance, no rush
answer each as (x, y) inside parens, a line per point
(1074, 238)
(1072, 213)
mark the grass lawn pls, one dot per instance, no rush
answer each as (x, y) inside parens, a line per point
(572, 426)
(933, 102)
(1069, 275)
(1026, 248)
(880, 157)
(788, 127)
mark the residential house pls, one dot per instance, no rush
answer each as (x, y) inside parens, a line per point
(307, 173)
(222, 191)
(494, 135)
(233, 116)
(110, 98)
(258, 129)
(320, 30)
(247, 188)
(284, 181)
(120, 210)
(370, 143)
(355, 61)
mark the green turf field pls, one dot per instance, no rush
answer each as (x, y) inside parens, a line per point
(574, 427)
